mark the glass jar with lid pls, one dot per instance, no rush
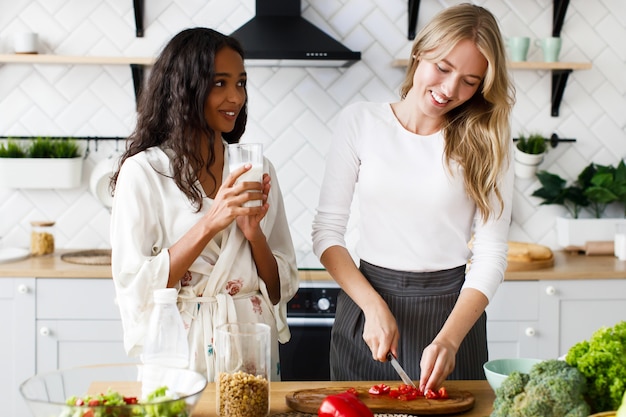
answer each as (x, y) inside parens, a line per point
(41, 238)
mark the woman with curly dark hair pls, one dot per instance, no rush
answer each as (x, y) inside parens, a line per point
(178, 217)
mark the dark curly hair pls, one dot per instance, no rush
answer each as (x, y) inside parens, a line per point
(170, 110)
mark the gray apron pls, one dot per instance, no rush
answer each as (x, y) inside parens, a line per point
(421, 302)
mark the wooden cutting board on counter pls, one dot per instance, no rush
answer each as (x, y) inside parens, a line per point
(309, 400)
(524, 256)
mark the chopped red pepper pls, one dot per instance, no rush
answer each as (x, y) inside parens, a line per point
(379, 389)
(406, 392)
(345, 404)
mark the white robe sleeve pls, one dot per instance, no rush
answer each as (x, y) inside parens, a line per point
(139, 262)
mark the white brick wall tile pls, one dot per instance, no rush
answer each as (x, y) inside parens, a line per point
(321, 104)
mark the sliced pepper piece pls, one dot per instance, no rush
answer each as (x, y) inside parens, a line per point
(345, 404)
(379, 389)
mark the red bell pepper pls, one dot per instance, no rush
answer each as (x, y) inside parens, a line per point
(345, 404)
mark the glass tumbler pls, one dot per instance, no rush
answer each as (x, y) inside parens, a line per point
(243, 361)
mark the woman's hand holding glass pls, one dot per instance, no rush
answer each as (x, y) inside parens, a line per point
(230, 198)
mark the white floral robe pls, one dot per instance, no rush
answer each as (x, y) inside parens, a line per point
(149, 215)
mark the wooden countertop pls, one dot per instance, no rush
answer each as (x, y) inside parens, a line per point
(483, 395)
(566, 266)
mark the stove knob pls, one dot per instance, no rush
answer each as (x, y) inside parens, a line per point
(323, 304)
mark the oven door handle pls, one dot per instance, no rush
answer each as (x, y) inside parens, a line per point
(310, 321)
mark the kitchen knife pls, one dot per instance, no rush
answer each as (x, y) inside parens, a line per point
(403, 375)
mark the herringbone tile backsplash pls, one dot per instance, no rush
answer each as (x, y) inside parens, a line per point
(291, 109)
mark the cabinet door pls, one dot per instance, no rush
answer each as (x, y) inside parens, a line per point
(68, 343)
(572, 310)
(78, 324)
(17, 349)
(76, 298)
(512, 321)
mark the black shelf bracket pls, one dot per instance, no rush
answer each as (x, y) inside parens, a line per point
(138, 72)
(554, 140)
(559, 80)
(414, 7)
(138, 7)
(559, 8)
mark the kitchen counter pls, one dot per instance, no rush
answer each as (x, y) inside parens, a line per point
(483, 395)
(566, 266)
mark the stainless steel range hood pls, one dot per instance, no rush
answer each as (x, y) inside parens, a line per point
(279, 36)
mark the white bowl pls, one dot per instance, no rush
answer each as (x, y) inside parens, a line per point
(498, 370)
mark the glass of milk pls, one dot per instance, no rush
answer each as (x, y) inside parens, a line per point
(247, 153)
(620, 241)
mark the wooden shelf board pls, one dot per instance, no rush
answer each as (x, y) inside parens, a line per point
(529, 65)
(69, 59)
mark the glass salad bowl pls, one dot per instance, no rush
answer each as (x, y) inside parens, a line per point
(116, 390)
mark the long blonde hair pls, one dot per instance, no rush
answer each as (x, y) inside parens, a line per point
(477, 134)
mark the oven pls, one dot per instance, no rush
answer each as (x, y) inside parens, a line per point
(310, 315)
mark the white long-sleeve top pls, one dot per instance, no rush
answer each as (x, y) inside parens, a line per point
(415, 214)
(149, 215)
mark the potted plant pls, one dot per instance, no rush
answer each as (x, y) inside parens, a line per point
(595, 188)
(529, 154)
(43, 162)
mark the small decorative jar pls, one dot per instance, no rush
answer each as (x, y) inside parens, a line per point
(41, 238)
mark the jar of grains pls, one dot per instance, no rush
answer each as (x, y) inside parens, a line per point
(42, 238)
(243, 369)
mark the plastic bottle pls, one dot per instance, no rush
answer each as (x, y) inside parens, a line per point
(166, 339)
(166, 347)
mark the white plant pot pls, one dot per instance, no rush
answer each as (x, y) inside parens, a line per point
(41, 172)
(577, 232)
(526, 164)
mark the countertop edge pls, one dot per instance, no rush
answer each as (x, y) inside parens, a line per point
(567, 266)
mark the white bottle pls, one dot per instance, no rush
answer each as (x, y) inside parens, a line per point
(166, 339)
(165, 347)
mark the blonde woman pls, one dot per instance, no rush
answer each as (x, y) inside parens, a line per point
(433, 170)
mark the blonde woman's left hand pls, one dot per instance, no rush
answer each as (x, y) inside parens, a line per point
(438, 361)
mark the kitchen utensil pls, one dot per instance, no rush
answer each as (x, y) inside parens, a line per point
(309, 400)
(403, 375)
(13, 254)
(101, 177)
(88, 257)
(599, 247)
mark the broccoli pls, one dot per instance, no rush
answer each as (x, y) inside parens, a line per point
(602, 360)
(552, 388)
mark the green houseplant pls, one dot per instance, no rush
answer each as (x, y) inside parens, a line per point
(529, 152)
(595, 188)
(43, 162)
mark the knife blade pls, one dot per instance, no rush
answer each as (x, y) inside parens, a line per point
(403, 375)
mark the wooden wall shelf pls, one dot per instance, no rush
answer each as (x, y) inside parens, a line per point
(74, 59)
(526, 65)
(137, 64)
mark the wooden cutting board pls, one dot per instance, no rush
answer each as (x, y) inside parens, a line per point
(309, 400)
(531, 265)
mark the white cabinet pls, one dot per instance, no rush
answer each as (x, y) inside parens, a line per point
(53, 324)
(17, 349)
(573, 310)
(513, 321)
(78, 323)
(543, 319)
